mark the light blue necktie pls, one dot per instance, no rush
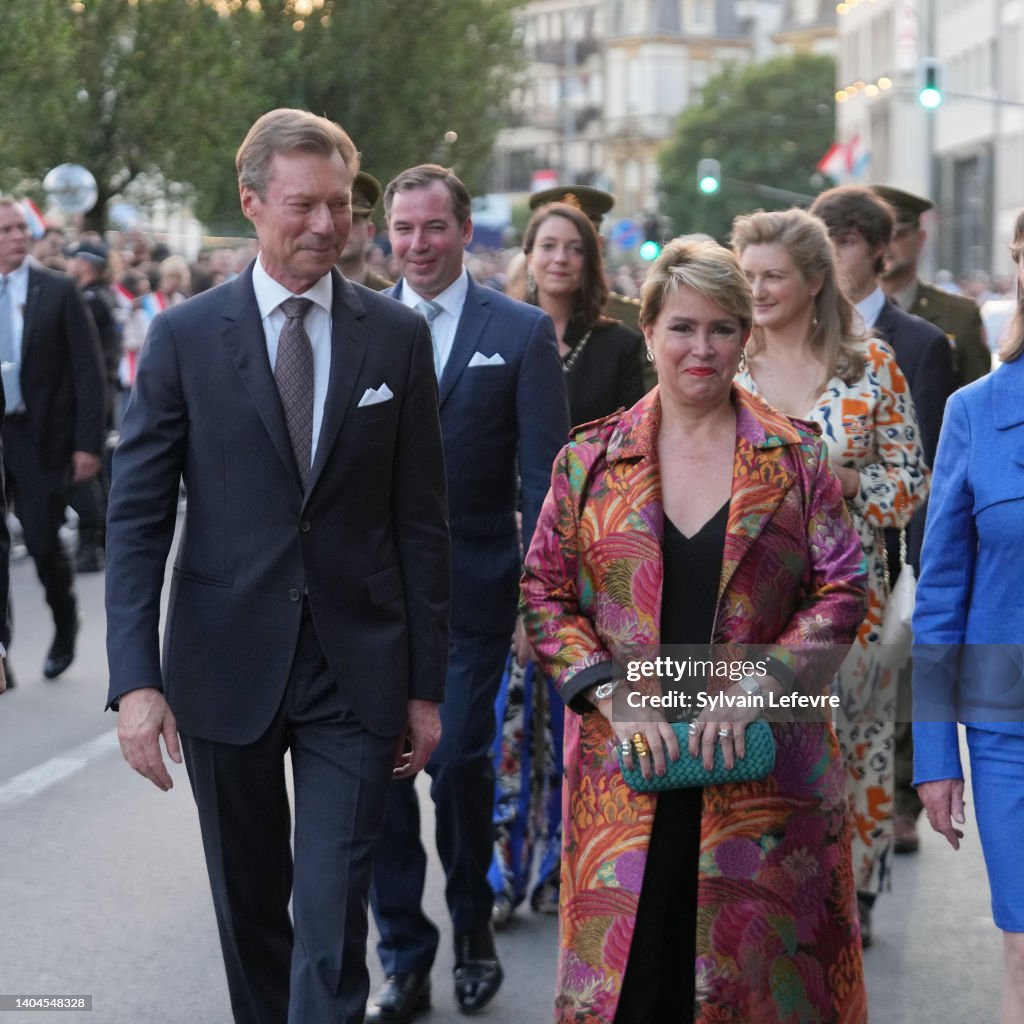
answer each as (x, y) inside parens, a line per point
(8, 357)
(431, 311)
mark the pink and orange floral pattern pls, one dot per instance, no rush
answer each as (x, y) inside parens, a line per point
(777, 932)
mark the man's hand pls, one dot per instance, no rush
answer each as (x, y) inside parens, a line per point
(144, 717)
(421, 736)
(85, 466)
(943, 802)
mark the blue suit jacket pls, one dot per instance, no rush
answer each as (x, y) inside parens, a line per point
(969, 616)
(502, 425)
(367, 540)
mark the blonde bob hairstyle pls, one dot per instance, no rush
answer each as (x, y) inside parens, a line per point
(1013, 347)
(703, 265)
(834, 338)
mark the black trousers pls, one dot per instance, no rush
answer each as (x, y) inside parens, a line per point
(316, 973)
(660, 981)
(39, 497)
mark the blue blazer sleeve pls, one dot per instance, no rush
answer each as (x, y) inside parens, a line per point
(943, 599)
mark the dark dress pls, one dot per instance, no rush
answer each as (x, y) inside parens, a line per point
(659, 984)
(606, 373)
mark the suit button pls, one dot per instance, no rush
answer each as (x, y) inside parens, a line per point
(304, 526)
(294, 595)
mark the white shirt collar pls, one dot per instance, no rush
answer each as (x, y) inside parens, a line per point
(450, 300)
(270, 293)
(870, 308)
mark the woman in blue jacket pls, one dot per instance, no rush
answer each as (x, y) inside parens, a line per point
(969, 633)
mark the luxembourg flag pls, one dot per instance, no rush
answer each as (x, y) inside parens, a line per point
(860, 158)
(36, 224)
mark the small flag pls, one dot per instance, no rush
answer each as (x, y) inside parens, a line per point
(36, 224)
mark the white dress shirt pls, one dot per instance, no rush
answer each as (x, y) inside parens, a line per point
(870, 308)
(446, 323)
(269, 296)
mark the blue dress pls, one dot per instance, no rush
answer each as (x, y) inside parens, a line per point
(969, 621)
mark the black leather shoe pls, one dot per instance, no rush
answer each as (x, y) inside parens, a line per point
(478, 973)
(399, 999)
(9, 675)
(62, 652)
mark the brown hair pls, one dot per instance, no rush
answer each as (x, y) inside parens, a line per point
(283, 131)
(834, 339)
(593, 293)
(423, 176)
(708, 268)
(856, 208)
(1013, 347)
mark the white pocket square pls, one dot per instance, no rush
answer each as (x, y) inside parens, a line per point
(479, 359)
(374, 396)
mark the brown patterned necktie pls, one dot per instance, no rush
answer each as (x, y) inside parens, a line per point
(293, 372)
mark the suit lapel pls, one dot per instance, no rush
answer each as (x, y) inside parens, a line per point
(35, 286)
(349, 337)
(884, 326)
(244, 339)
(475, 315)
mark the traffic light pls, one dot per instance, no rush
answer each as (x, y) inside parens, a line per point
(650, 249)
(709, 176)
(930, 83)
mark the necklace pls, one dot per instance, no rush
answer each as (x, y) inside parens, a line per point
(570, 360)
(808, 399)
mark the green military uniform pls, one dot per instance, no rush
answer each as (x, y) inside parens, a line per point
(376, 282)
(955, 315)
(960, 319)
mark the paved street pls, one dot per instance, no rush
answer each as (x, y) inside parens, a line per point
(103, 889)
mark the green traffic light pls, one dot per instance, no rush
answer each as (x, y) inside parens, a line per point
(930, 97)
(650, 251)
(709, 185)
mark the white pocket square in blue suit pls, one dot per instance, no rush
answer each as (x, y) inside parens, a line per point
(479, 359)
(374, 396)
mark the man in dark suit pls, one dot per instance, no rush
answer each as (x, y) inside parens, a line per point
(54, 429)
(6, 680)
(956, 315)
(861, 226)
(504, 416)
(309, 601)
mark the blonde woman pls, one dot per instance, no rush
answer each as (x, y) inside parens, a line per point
(807, 359)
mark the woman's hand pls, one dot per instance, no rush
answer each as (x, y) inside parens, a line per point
(658, 737)
(707, 729)
(943, 802)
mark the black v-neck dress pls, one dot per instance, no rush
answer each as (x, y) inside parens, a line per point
(659, 983)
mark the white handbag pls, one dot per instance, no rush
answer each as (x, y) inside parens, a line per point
(897, 634)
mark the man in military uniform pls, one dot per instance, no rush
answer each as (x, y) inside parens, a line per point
(958, 317)
(366, 190)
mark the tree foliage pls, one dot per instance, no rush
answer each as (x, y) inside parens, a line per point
(767, 124)
(168, 88)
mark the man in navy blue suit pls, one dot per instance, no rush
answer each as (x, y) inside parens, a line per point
(504, 416)
(308, 605)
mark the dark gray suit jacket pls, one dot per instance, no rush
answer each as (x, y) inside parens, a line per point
(368, 538)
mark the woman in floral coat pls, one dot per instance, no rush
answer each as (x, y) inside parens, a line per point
(774, 918)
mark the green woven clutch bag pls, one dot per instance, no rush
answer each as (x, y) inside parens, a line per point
(758, 762)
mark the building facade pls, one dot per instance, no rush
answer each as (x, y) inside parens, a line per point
(966, 155)
(607, 79)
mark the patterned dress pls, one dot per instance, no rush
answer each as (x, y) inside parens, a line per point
(777, 930)
(871, 426)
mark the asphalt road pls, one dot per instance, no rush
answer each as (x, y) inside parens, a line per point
(103, 889)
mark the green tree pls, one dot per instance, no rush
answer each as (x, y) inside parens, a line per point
(767, 124)
(399, 77)
(126, 88)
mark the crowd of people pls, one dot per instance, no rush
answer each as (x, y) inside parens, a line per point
(445, 512)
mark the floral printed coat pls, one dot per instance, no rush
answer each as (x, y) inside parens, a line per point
(777, 931)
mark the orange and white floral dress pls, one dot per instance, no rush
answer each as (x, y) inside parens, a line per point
(871, 426)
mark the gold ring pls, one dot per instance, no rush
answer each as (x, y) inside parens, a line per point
(640, 744)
